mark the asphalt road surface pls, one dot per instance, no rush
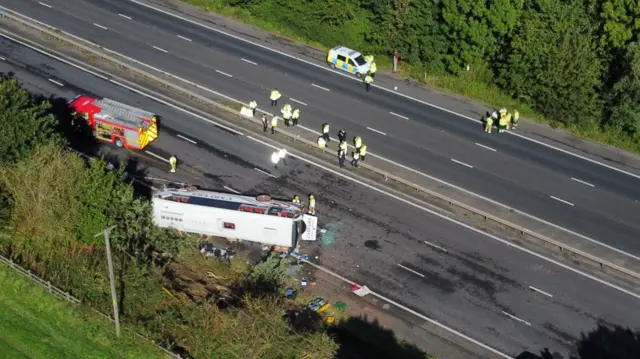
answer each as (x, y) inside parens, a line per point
(493, 293)
(570, 192)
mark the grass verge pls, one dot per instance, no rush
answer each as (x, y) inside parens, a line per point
(474, 84)
(36, 324)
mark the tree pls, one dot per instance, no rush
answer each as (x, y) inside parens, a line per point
(620, 22)
(41, 190)
(474, 28)
(624, 98)
(552, 62)
(609, 342)
(25, 124)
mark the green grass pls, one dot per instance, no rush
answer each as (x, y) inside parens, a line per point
(35, 324)
(471, 85)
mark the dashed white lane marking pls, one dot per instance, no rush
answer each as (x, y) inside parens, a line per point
(540, 291)
(157, 156)
(435, 246)
(411, 270)
(124, 16)
(100, 26)
(261, 171)
(461, 163)
(377, 131)
(187, 139)
(402, 117)
(223, 73)
(320, 87)
(562, 200)
(2, 58)
(341, 73)
(56, 82)
(516, 318)
(184, 38)
(486, 147)
(160, 49)
(231, 189)
(249, 62)
(298, 101)
(583, 182)
(43, 4)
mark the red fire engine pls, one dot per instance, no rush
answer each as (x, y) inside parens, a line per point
(115, 122)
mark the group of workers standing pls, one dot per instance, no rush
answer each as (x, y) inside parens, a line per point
(506, 120)
(358, 154)
(368, 79)
(291, 116)
(312, 203)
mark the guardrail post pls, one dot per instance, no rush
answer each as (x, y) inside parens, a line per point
(49, 287)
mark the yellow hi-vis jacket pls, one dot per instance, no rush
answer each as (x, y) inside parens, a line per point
(368, 79)
(357, 142)
(275, 94)
(274, 121)
(296, 113)
(253, 104)
(363, 150)
(503, 121)
(373, 68)
(343, 146)
(321, 142)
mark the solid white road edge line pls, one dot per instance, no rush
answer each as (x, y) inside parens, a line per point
(320, 87)
(184, 38)
(259, 170)
(516, 318)
(540, 291)
(409, 310)
(160, 49)
(411, 270)
(402, 117)
(380, 87)
(187, 139)
(231, 189)
(377, 131)
(562, 200)
(461, 163)
(455, 221)
(617, 250)
(124, 16)
(56, 82)
(223, 73)
(100, 26)
(435, 246)
(43, 4)
(550, 260)
(487, 147)
(157, 156)
(583, 182)
(298, 101)
(249, 62)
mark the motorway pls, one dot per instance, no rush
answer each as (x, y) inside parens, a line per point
(496, 294)
(581, 196)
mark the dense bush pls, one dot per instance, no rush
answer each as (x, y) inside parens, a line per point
(571, 60)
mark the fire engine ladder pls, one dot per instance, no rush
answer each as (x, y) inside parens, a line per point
(124, 112)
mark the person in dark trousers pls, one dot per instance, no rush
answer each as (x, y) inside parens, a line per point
(341, 156)
(355, 156)
(325, 132)
(368, 80)
(342, 135)
(265, 123)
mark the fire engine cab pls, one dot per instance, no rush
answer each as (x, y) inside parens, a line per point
(115, 122)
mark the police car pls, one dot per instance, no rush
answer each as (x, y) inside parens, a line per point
(349, 60)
